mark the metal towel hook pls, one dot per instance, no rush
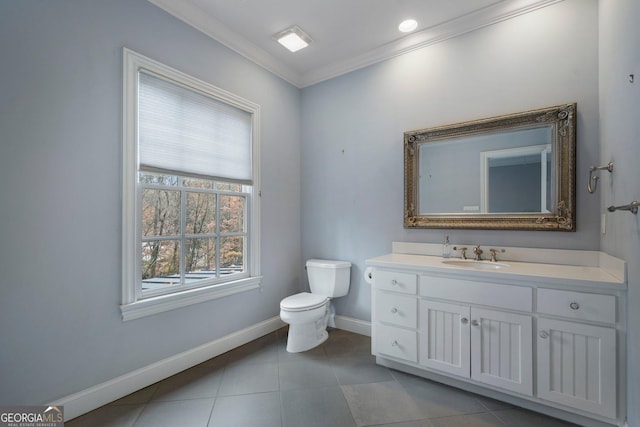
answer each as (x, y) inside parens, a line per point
(594, 179)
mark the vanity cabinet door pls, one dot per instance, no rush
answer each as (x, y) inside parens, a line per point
(445, 339)
(577, 365)
(489, 346)
(501, 349)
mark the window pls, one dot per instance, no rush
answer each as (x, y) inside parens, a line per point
(190, 198)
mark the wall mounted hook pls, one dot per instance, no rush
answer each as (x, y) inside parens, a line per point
(592, 185)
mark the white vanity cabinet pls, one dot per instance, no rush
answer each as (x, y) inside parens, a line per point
(577, 361)
(539, 336)
(488, 345)
(395, 305)
(455, 326)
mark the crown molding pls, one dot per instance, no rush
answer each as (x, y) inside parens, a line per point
(201, 21)
(481, 18)
(458, 26)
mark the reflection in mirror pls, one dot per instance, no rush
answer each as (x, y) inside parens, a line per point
(516, 180)
(509, 172)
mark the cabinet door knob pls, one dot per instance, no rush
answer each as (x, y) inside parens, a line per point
(544, 334)
(574, 306)
(394, 344)
(475, 323)
(394, 310)
(464, 320)
(394, 282)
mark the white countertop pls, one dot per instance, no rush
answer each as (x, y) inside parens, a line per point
(517, 272)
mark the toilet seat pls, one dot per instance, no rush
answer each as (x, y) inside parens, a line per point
(303, 301)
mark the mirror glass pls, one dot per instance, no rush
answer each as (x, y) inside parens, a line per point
(513, 172)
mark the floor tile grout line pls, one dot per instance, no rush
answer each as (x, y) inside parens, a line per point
(353, 417)
(498, 418)
(346, 349)
(215, 400)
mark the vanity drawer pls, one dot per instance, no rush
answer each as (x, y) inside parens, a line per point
(397, 342)
(577, 305)
(397, 282)
(396, 309)
(503, 296)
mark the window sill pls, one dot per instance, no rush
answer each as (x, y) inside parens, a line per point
(159, 304)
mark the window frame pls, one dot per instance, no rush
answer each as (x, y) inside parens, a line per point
(133, 304)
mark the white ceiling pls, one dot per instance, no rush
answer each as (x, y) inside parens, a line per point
(347, 34)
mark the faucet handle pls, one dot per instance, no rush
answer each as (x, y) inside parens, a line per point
(493, 255)
(463, 250)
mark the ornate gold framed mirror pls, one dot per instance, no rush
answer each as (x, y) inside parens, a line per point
(512, 172)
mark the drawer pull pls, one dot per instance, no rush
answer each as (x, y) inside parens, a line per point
(475, 323)
(394, 344)
(544, 334)
(394, 310)
(464, 320)
(574, 306)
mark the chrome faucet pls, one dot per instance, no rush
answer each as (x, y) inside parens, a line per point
(493, 255)
(462, 250)
(478, 253)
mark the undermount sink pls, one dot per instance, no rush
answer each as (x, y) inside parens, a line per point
(478, 265)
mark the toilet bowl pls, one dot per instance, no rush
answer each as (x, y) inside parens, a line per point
(308, 313)
(307, 316)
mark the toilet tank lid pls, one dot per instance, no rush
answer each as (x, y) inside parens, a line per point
(325, 263)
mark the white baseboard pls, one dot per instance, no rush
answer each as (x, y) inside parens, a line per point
(356, 326)
(101, 394)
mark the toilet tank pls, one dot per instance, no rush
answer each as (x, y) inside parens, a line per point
(330, 278)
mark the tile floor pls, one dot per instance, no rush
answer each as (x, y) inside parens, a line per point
(334, 385)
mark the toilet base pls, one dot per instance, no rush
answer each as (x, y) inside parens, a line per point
(305, 336)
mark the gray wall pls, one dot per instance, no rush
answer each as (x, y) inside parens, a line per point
(60, 216)
(620, 142)
(352, 149)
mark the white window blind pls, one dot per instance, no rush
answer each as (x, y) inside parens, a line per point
(184, 131)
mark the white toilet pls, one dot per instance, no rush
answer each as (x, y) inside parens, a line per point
(308, 313)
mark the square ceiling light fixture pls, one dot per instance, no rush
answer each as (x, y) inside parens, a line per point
(293, 38)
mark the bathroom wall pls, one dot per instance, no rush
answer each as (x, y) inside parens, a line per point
(60, 216)
(620, 143)
(352, 147)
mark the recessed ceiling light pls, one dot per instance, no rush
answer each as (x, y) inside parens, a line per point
(293, 38)
(408, 25)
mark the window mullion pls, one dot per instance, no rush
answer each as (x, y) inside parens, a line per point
(245, 241)
(233, 234)
(183, 217)
(217, 237)
(199, 236)
(160, 238)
